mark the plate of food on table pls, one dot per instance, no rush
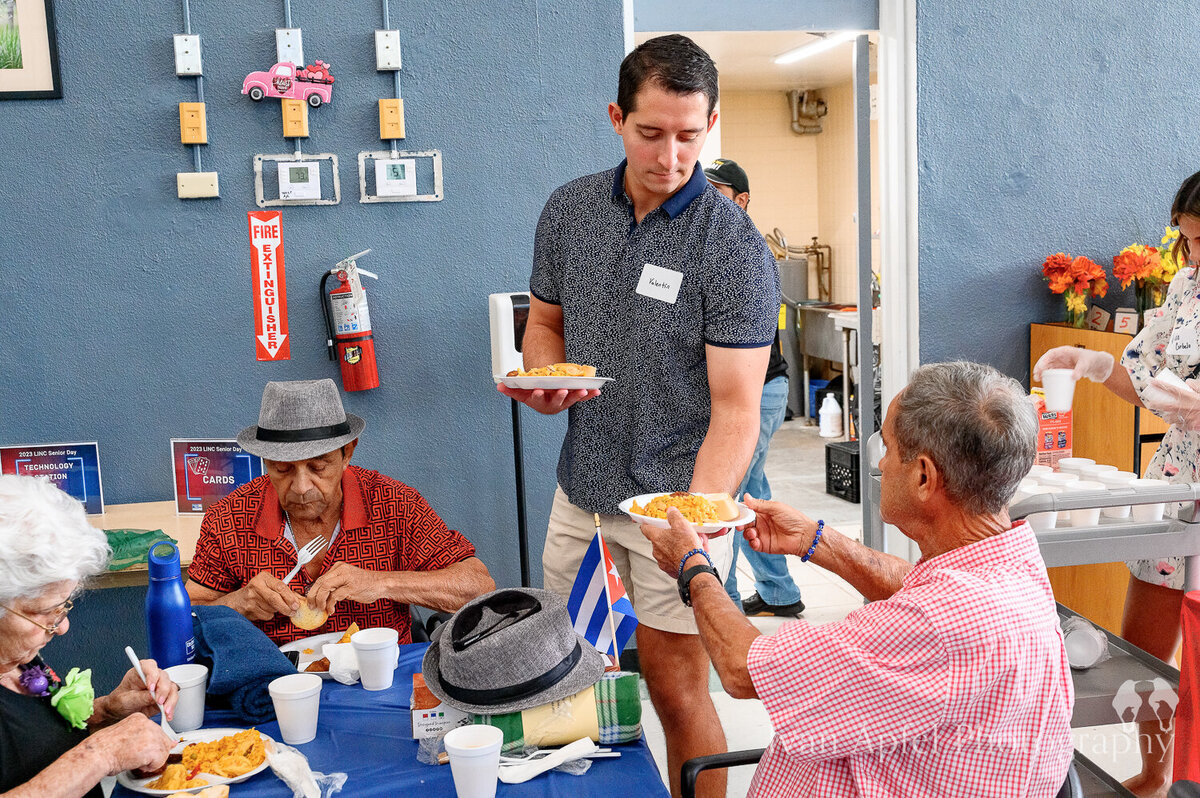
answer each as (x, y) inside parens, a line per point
(203, 764)
(310, 655)
(555, 377)
(712, 514)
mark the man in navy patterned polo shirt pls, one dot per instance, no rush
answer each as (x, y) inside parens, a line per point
(647, 273)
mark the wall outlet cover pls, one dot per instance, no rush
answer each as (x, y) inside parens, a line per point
(187, 55)
(387, 50)
(289, 46)
(197, 185)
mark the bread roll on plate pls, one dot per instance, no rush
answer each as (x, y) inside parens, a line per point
(727, 508)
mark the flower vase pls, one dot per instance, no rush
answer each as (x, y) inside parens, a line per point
(1148, 297)
(1077, 308)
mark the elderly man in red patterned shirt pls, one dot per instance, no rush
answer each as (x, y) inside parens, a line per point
(953, 680)
(386, 549)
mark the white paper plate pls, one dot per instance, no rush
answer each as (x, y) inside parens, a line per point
(552, 383)
(316, 643)
(127, 779)
(711, 528)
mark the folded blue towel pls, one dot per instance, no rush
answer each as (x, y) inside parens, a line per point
(241, 662)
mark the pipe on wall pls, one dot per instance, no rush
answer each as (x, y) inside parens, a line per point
(806, 112)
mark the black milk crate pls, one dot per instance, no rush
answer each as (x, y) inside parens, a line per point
(841, 470)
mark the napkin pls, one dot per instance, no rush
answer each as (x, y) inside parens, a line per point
(343, 662)
(293, 769)
(241, 659)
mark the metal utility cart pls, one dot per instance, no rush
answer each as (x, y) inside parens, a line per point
(1110, 541)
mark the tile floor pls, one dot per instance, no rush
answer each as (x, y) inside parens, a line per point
(796, 471)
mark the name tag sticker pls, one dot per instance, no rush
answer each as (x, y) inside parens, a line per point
(1184, 341)
(659, 283)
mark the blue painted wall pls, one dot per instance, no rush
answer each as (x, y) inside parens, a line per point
(126, 313)
(1042, 127)
(670, 15)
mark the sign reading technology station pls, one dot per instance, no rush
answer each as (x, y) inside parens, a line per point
(208, 471)
(74, 468)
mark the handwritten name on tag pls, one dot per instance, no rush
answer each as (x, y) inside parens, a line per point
(659, 283)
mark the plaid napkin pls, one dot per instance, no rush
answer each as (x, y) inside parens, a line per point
(618, 711)
(241, 662)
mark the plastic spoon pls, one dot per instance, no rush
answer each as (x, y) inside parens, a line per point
(137, 666)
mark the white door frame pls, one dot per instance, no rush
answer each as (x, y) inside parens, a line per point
(899, 295)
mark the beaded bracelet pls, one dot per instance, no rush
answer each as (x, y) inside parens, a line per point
(816, 540)
(688, 556)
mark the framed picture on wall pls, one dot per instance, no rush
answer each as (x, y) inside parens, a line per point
(28, 51)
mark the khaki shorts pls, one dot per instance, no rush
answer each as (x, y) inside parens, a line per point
(655, 595)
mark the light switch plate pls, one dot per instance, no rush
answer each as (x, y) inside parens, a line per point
(289, 46)
(187, 55)
(197, 185)
(299, 180)
(387, 50)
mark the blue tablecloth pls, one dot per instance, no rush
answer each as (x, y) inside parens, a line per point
(368, 736)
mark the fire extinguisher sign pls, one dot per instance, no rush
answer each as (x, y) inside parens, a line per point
(270, 286)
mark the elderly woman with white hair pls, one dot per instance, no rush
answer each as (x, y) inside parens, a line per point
(55, 737)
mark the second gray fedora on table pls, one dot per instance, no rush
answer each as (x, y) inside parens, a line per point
(298, 420)
(509, 650)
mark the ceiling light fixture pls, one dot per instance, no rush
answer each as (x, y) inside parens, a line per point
(830, 41)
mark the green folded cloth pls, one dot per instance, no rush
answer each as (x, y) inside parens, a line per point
(131, 546)
(618, 717)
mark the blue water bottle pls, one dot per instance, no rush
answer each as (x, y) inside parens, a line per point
(168, 609)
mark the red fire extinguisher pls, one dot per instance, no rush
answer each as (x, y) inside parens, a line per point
(348, 324)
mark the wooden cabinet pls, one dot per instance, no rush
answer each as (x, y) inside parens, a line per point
(1109, 430)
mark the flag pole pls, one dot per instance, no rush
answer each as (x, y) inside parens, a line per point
(612, 627)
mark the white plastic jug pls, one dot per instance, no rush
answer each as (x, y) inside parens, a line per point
(830, 418)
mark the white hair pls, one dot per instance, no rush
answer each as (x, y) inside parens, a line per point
(45, 538)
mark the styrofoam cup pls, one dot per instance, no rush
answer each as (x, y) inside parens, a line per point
(1089, 516)
(1116, 479)
(297, 699)
(1085, 646)
(1071, 465)
(1094, 470)
(1037, 470)
(474, 753)
(378, 653)
(1144, 513)
(192, 680)
(1059, 387)
(1040, 522)
(1057, 479)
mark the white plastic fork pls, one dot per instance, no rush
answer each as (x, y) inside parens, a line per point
(137, 666)
(305, 555)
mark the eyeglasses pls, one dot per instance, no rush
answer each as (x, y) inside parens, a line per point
(59, 614)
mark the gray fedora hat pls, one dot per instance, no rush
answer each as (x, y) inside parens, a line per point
(509, 650)
(298, 420)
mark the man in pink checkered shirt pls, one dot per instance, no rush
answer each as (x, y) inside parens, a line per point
(953, 680)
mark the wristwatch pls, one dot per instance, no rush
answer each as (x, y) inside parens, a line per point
(685, 581)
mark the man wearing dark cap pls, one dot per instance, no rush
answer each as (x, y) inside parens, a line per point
(775, 592)
(385, 546)
(731, 180)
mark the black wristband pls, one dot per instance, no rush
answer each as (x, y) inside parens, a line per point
(685, 580)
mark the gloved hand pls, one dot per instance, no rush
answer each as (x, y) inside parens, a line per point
(1096, 366)
(1179, 405)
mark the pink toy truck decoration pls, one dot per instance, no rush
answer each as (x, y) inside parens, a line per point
(313, 83)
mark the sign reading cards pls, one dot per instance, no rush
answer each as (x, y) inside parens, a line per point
(208, 471)
(270, 286)
(74, 468)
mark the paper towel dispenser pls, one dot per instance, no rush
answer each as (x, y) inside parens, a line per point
(509, 314)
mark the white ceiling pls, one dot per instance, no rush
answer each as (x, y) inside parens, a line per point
(743, 59)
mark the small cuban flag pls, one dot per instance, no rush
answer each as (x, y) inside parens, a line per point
(593, 594)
